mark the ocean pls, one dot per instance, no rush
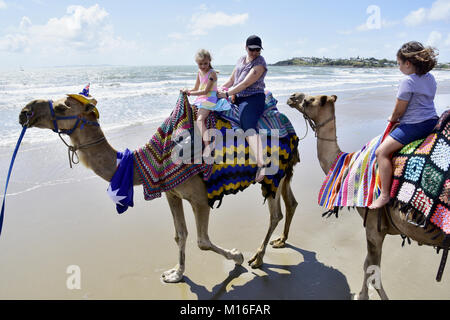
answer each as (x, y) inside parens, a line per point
(140, 97)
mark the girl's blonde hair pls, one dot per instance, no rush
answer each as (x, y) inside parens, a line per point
(203, 54)
(424, 59)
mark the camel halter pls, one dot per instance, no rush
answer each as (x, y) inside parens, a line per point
(72, 150)
(315, 127)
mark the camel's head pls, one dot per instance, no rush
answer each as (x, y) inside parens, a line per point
(38, 114)
(317, 108)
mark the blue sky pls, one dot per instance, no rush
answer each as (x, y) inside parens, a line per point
(39, 33)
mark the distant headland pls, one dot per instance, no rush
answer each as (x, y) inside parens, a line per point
(345, 62)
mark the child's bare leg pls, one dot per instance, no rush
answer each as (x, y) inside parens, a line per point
(202, 115)
(383, 153)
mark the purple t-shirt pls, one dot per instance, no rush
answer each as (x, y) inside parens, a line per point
(242, 70)
(419, 91)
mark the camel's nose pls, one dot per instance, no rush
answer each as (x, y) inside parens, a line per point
(295, 98)
(25, 114)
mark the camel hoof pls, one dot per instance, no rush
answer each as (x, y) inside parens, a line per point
(256, 262)
(172, 276)
(238, 257)
(278, 244)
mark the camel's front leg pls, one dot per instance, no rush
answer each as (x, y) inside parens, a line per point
(275, 217)
(176, 207)
(291, 204)
(372, 270)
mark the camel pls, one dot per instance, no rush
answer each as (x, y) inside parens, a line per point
(98, 155)
(320, 112)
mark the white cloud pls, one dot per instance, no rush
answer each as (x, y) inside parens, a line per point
(3, 5)
(439, 11)
(434, 38)
(81, 29)
(203, 22)
(416, 17)
(447, 42)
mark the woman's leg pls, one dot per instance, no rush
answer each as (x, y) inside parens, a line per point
(384, 153)
(251, 109)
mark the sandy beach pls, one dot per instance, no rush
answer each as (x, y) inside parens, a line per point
(52, 227)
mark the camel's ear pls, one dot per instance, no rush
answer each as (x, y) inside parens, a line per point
(334, 98)
(61, 107)
(323, 100)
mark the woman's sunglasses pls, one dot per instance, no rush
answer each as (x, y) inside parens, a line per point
(256, 49)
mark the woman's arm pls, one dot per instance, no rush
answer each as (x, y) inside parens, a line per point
(208, 88)
(399, 110)
(255, 73)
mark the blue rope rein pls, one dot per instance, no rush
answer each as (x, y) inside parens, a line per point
(2, 214)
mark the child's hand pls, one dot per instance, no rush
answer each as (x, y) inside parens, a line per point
(185, 91)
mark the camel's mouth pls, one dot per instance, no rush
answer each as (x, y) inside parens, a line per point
(28, 118)
(295, 101)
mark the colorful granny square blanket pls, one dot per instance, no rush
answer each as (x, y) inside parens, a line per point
(157, 170)
(421, 181)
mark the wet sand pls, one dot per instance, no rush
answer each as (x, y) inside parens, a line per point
(50, 228)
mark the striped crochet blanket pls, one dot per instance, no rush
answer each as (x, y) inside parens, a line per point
(230, 177)
(353, 180)
(157, 170)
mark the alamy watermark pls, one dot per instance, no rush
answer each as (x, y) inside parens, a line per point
(374, 20)
(73, 281)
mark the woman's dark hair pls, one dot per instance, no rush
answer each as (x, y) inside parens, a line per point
(424, 59)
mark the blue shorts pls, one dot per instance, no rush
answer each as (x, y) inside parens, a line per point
(407, 133)
(250, 110)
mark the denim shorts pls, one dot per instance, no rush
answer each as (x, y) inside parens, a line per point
(250, 110)
(407, 133)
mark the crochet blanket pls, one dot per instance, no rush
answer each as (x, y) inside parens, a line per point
(421, 182)
(353, 180)
(233, 171)
(158, 171)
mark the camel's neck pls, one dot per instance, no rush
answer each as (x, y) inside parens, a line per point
(100, 157)
(327, 147)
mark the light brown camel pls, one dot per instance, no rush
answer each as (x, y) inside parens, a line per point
(97, 154)
(321, 112)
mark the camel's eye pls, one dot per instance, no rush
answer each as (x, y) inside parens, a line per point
(61, 108)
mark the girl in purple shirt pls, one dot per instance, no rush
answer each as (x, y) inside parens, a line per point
(415, 111)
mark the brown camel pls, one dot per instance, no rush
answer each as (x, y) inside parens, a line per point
(320, 111)
(97, 154)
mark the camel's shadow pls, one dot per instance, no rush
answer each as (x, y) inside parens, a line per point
(309, 280)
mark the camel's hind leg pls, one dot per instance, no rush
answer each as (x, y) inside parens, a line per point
(291, 204)
(176, 207)
(372, 269)
(201, 212)
(275, 216)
